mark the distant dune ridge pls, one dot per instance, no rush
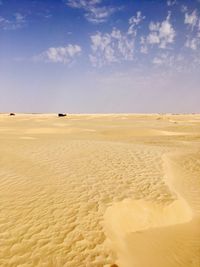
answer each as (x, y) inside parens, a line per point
(118, 190)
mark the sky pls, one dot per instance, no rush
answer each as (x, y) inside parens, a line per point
(100, 56)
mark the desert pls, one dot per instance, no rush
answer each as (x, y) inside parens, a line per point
(100, 190)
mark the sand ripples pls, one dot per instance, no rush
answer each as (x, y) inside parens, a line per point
(56, 185)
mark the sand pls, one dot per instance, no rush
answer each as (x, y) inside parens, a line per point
(100, 190)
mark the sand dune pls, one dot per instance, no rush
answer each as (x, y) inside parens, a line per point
(146, 233)
(96, 190)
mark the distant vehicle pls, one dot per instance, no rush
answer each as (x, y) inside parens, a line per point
(62, 115)
(12, 114)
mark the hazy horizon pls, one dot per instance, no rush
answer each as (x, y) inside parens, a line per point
(100, 114)
(100, 56)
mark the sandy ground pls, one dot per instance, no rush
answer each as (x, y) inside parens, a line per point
(100, 190)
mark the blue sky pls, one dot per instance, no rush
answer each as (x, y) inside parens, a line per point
(100, 56)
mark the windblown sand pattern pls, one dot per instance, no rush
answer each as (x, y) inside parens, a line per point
(99, 190)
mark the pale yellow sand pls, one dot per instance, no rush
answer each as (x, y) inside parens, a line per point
(97, 190)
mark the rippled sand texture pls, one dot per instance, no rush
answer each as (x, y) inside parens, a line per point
(99, 190)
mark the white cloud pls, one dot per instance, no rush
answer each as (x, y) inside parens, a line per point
(184, 8)
(17, 21)
(63, 55)
(134, 21)
(93, 12)
(116, 46)
(143, 48)
(192, 43)
(158, 61)
(111, 47)
(161, 34)
(153, 38)
(193, 38)
(163, 59)
(171, 2)
(191, 19)
(166, 33)
(154, 26)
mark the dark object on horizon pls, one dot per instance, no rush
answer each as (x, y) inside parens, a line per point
(12, 114)
(61, 115)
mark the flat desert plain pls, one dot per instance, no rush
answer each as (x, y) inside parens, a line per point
(100, 190)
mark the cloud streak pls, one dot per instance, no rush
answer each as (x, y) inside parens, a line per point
(92, 11)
